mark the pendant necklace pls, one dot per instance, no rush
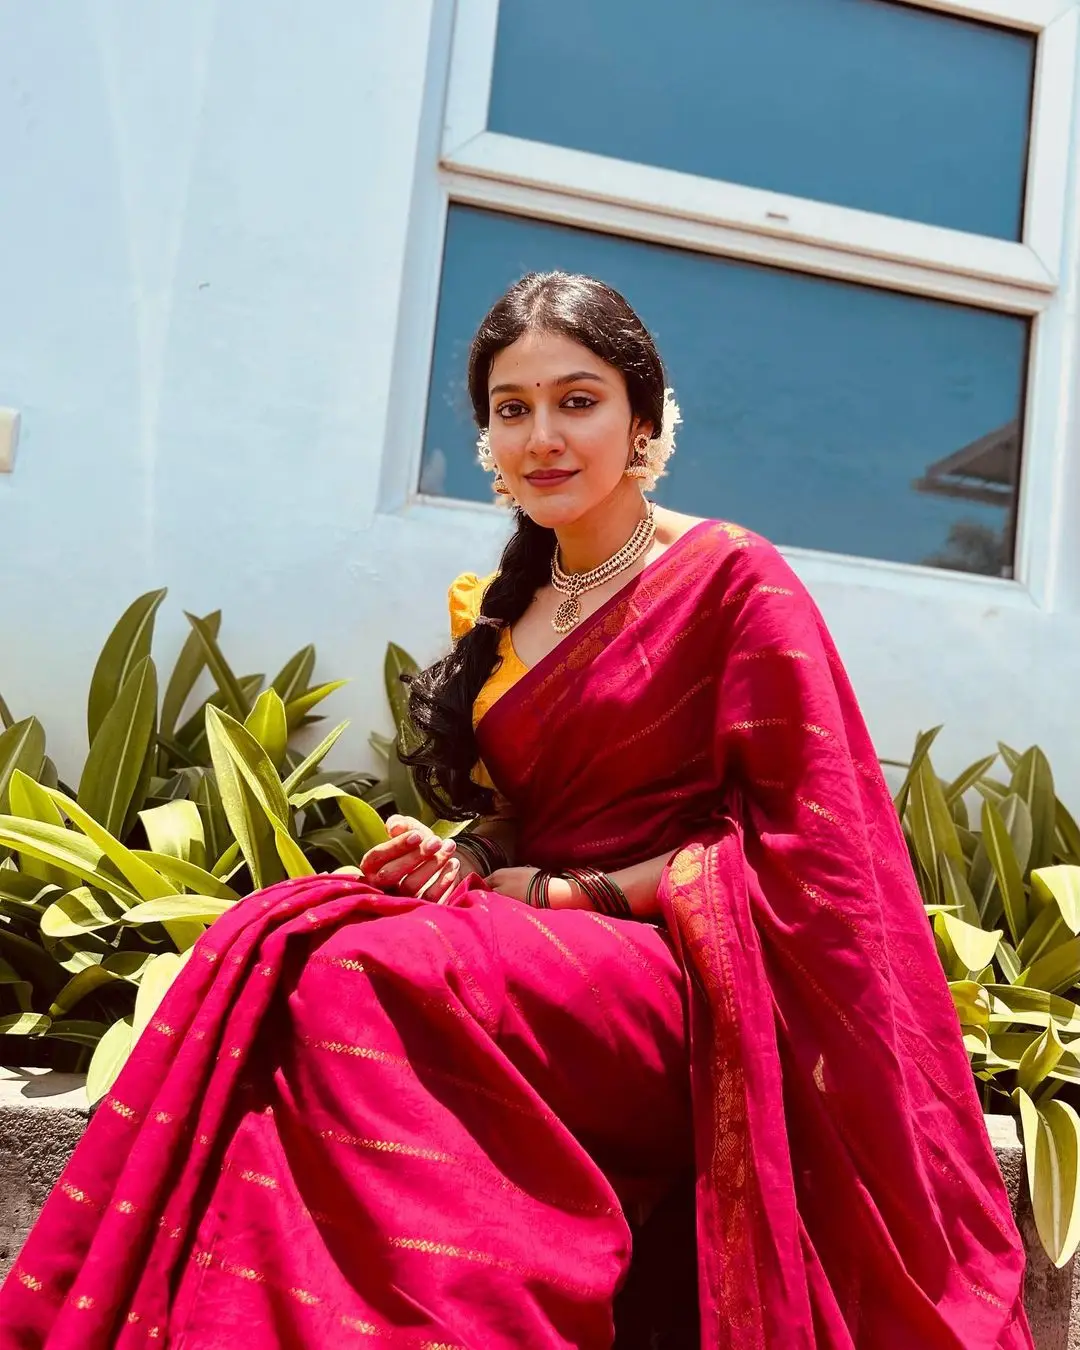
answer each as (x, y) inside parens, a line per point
(573, 585)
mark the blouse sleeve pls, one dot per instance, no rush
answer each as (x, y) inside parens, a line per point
(466, 595)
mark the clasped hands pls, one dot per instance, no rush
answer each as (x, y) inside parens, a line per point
(415, 861)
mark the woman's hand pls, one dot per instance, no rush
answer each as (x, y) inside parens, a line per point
(414, 857)
(513, 882)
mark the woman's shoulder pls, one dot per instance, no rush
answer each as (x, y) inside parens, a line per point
(464, 599)
(723, 543)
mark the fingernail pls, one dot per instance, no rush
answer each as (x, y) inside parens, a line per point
(430, 847)
(413, 837)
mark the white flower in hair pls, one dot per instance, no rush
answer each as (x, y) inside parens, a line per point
(660, 449)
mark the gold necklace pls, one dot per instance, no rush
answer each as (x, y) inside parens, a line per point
(574, 584)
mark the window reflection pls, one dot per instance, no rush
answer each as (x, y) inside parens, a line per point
(824, 415)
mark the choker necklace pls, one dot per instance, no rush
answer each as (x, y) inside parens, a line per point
(573, 585)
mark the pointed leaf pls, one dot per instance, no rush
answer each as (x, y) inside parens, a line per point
(93, 978)
(974, 947)
(6, 719)
(291, 854)
(146, 880)
(267, 724)
(201, 909)
(126, 647)
(252, 761)
(397, 663)
(307, 766)
(67, 849)
(1045, 932)
(364, 821)
(923, 742)
(110, 1056)
(972, 1003)
(1052, 1148)
(176, 831)
(1008, 960)
(1008, 871)
(80, 911)
(216, 833)
(406, 797)
(156, 982)
(1033, 783)
(933, 829)
(233, 756)
(1057, 971)
(299, 707)
(1061, 884)
(189, 666)
(29, 800)
(954, 888)
(1067, 846)
(226, 681)
(1010, 1003)
(22, 748)
(115, 764)
(966, 780)
(1039, 1061)
(293, 678)
(187, 875)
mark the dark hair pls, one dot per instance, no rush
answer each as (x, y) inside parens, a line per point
(441, 698)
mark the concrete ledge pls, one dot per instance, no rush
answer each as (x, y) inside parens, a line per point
(43, 1115)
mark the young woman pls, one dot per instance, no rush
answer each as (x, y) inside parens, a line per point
(422, 1107)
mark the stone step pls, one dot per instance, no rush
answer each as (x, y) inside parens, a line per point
(43, 1115)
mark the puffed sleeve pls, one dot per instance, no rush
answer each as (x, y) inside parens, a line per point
(466, 595)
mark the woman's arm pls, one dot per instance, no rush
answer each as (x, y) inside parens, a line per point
(639, 884)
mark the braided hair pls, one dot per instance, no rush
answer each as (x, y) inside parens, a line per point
(441, 698)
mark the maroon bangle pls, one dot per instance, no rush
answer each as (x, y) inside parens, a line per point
(605, 896)
(537, 893)
(486, 853)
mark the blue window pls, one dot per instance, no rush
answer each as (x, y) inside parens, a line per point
(823, 414)
(864, 103)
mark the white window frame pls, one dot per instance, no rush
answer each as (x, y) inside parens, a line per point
(1036, 277)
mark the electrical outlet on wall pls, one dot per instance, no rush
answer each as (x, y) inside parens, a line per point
(9, 438)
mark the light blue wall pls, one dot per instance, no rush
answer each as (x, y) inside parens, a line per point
(209, 213)
(203, 217)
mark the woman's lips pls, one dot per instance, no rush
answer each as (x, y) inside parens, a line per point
(545, 478)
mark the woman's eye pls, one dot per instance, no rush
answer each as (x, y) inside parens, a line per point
(508, 410)
(580, 401)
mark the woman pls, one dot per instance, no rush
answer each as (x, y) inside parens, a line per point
(681, 932)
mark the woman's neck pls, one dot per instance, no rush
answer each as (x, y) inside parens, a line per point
(598, 534)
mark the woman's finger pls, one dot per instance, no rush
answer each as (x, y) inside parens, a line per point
(445, 883)
(417, 879)
(402, 824)
(395, 871)
(376, 858)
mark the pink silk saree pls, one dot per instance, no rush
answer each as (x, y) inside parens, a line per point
(361, 1121)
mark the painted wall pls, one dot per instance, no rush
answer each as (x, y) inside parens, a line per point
(205, 225)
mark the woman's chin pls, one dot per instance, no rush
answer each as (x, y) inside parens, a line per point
(554, 510)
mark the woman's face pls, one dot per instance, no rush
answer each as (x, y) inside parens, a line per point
(561, 427)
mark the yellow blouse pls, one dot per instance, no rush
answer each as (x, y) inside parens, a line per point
(466, 595)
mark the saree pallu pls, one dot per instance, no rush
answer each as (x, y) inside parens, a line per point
(847, 1193)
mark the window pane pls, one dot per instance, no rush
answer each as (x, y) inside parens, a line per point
(822, 414)
(865, 103)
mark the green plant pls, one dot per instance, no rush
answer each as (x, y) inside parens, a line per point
(104, 888)
(998, 863)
